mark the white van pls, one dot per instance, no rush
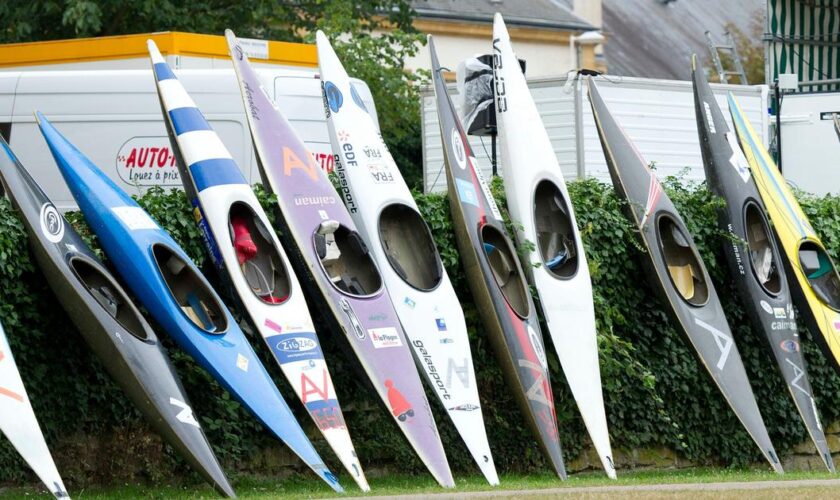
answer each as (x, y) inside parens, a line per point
(114, 117)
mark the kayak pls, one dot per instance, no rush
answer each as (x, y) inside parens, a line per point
(496, 279)
(109, 322)
(677, 272)
(342, 276)
(537, 198)
(19, 425)
(752, 254)
(404, 249)
(244, 248)
(813, 276)
(172, 289)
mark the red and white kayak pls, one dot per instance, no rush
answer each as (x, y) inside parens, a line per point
(19, 425)
(404, 250)
(539, 203)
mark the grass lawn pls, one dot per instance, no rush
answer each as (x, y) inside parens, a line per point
(306, 487)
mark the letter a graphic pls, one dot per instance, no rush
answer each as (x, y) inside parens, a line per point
(537, 390)
(292, 161)
(799, 373)
(723, 341)
(308, 387)
(186, 413)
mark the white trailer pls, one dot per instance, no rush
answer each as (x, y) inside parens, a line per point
(658, 115)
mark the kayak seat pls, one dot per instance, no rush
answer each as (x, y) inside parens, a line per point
(198, 312)
(683, 277)
(814, 263)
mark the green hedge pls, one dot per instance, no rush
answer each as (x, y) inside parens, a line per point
(656, 394)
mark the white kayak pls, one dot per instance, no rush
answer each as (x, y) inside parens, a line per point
(387, 217)
(19, 425)
(246, 249)
(539, 203)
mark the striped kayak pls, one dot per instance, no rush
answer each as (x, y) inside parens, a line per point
(496, 279)
(179, 298)
(752, 253)
(537, 198)
(340, 273)
(19, 425)
(244, 248)
(403, 247)
(813, 276)
(677, 272)
(110, 323)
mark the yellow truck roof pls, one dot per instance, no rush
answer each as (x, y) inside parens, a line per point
(134, 46)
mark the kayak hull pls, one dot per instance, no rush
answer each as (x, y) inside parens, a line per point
(222, 199)
(678, 273)
(497, 281)
(155, 268)
(762, 284)
(538, 200)
(337, 267)
(131, 354)
(408, 260)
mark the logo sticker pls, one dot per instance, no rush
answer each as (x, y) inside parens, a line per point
(779, 313)
(789, 345)
(410, 303)
(709, 117)
(458, 148)
(334, 98)
(297, 344)
(737, 160)
(385, 337)
(400, 407)
(354, 321)
(538, 347)
(465, 407)
(52, 224)
(447, 341)
(241, 362)
(766, 307)
(134, 217)
(466, 192)
(441, 324)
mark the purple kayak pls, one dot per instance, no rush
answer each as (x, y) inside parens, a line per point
(319, 234)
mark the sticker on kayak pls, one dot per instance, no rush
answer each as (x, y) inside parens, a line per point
(766, 307)
(52, 224)
(334, 98)
(134, 217)
(385, 337)
(357, 98)
(241, 362)
(186, 413)
(709, 117)
(380, 173)
(466, 192)
(486, 189)
(737, 160)
(458, 148)
(538, 347)
(300, 346)
(789, 345)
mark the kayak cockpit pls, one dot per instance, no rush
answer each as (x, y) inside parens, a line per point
(820, 272)
(762, 253)
(409, 246)
(502, 262)
(346, 259)
(555, 231)
(682, 261)
(110, 296)
(195, 298)
(259, 259)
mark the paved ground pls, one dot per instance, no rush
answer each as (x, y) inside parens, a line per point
(804, 488)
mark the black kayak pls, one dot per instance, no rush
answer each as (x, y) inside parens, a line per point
(678, 273)
(496, 279)
(752, 253)
(109, 321)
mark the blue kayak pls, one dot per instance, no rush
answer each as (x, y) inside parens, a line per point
(167, 283)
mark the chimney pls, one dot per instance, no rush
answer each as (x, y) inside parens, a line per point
(589, 11)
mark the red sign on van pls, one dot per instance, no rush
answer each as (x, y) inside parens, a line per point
(148, 161)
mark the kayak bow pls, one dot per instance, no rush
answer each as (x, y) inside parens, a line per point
(334, 259)
(244, 248)
(496, 279)
(404, 249)
(539, 202)
(678, 273)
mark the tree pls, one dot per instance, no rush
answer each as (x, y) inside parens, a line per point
(373, 38)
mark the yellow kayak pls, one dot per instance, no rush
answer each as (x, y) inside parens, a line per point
(817, 285)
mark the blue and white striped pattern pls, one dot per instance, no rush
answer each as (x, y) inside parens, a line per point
(208, 160)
